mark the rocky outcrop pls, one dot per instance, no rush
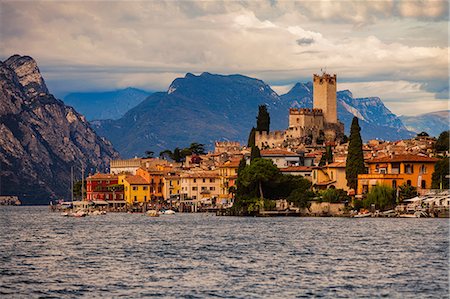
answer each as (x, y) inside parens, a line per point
(41, 138)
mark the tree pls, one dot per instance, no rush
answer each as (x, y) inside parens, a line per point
(166, 154)
(327, 157)
(255, 153)
(334, 195)
(355, 156)
(263, 119)
(77, 188)
(442, 144)
(197, 148)
(259, 171)
(439, 178)
(251, 138)
(423, 134)
(300, 198)
(382, 196)
(406, 191)
(177, 157)
(149, 154)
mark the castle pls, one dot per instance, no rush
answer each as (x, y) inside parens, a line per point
(309, 126)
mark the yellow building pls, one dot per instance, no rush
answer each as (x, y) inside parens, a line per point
(155, 177)
(413, 170)
(172, 185)
(330, 176)
(136, 189)
(228, 176)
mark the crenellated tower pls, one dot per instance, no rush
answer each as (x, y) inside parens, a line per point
(324, 96)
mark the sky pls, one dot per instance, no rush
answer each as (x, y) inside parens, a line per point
(396, 50)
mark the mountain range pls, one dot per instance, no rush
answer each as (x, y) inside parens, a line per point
(41, 138)
(211, 107)
(105, 105)
(433, 123)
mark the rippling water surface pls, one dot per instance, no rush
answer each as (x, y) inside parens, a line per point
(43, 254)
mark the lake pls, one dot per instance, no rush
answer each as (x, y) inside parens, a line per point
(43, 254)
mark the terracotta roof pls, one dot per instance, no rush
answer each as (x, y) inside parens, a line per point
(337, 165)
(231, 163)
(403, 158)
(135, 180)
(200, 175)
(277, 152)
(103, 176)
(296, 168)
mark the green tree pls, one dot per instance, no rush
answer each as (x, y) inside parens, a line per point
(334, 195)
(300, 198)
(327, 157)
(255, 153)
(355, 156)
(149, 154)
(382, 196)
(77, 189)
(442, 143)
(406, 191)
(165, 154)
(251, 138)
(259, 171)
(440, 176)
(263, 119)
(197, 148)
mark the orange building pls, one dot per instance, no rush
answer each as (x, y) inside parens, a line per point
(413, 170)
(228, 176)
(155, 178)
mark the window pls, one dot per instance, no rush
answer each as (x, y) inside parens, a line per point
(204, 180)
(144, 188)
(194, 197)
(408, 182)
(203, 188)
(409, 168)
(394, 184)
(135, 198)
(422, 169)
(423, 184)
(135, 188)
(107, 196)
(145, 197)
(195, 180)
(212, 188)
(331, 175)
(194, 188)
(211, 180)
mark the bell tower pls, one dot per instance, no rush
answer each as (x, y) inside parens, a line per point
(324, 96)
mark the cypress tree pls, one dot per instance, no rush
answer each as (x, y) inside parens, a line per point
(251, 138)
(355, 157)
(255, 153)
(263, 119)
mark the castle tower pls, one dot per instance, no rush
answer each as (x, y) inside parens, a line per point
(324, 96)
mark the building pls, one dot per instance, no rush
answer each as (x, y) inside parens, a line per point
(172, 185)
(394, 171)
(102, 186)
(136, 189)
(200, 187)
(309, 126)
(130, 166)
(282, 158)
(154, 176)
(304, 171)
(330, 176)
(228, 173)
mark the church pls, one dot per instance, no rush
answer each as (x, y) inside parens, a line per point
(309, 126)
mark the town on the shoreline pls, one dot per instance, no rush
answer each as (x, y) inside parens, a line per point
(311, 168)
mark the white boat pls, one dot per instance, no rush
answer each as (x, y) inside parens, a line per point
(169, 212)
(79, 213)
(362, 215)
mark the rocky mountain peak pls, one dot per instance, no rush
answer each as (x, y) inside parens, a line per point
(28, 74)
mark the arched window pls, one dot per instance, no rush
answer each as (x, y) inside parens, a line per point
(423, 184)
(408, 182)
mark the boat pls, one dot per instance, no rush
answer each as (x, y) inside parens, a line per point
(152, 213)
(362, 215)
(169, 212)
(79, 213)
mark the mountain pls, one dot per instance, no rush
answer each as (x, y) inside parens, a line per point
(209, 107)
(201, 108)
(106, 105)
(41, 138)
(375, 119)
(433, 123)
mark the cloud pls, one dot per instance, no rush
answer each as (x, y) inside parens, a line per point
(88, 45)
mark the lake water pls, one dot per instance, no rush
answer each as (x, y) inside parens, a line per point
(43, 254)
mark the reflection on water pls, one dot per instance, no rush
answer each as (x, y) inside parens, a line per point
(201, 255)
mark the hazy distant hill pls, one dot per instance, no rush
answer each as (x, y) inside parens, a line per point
(106, 105)
(41, 138)
(433, 123)
(211, 107)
